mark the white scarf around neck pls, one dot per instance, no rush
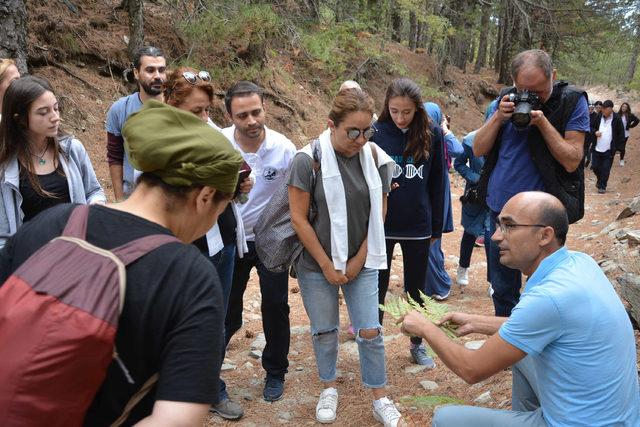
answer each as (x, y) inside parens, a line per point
(337, 203)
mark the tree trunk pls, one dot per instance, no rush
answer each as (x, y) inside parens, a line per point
(313, 8)
(136, 26)
(413, 31)
(482, 43)
(396, 22)
(631, 69)
(13, 37)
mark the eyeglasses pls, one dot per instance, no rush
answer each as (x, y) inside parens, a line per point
(354, 133)
(192, 78)
(507, 227)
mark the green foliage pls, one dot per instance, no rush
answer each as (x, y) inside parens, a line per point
(397, 307)
(333, 46)
(429, 402)
(214, 27)
(69, 43)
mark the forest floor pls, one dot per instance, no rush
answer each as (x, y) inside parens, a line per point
(97, 32)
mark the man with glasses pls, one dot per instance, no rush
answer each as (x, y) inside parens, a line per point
(544, 155)
(568, 340)
(149, 70)
(269, 155)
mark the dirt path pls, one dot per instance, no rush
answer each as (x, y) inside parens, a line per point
(302, 385)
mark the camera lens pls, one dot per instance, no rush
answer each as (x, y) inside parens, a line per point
(521, 114)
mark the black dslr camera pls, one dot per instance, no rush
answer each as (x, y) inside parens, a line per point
(525, 102)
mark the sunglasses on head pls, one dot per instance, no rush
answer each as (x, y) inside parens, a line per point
(354, 133)
(192, 78)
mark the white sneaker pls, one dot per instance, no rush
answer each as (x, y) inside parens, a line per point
(462, 277)
(327, 406)
(490, 291)
(621, 162)
(385, 411)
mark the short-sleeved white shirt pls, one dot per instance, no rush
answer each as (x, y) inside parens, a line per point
(270, 164)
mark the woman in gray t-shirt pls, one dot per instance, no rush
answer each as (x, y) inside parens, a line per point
(319, 280)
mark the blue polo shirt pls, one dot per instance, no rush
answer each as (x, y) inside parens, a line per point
(515, 171)
(116, 118)
(572, 324)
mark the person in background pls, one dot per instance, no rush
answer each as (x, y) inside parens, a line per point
(438, 282)
(344, 247)
(609, 134)
(415, 212)
(474, 213)
(475, 219)
(149, 70)
(629, 121)
(40, 166)
(191, 90)
(8, 73)
(590, 137)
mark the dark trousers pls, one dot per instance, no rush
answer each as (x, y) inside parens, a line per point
(602, 167)
(505, 281)
(415, 257)
(623, 148)
(466, 249)
(274, 288)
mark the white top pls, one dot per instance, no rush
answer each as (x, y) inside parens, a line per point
(624, 124)
(604, 142)
(270, 164)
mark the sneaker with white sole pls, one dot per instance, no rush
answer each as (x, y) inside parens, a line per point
(621, 162)
(327, 406)
(462, 277)
(420, 356)
(385, 412)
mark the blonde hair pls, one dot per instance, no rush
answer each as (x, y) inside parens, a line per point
(4, 66)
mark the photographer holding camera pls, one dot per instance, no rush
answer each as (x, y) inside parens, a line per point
(533, 142)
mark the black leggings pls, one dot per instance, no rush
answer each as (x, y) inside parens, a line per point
(623, 148)
(415, 258)
(466, 249)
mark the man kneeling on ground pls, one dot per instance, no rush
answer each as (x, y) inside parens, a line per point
(568, 340)
(172, 322)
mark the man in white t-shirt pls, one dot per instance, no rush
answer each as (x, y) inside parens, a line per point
(610, 134)
(269, 154)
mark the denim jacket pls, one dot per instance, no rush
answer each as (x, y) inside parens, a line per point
(81, 178)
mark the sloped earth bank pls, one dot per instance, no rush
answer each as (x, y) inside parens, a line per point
(302, 385)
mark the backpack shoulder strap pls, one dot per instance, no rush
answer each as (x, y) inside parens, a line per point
(135, 399)
(77, 223)
(129, 252)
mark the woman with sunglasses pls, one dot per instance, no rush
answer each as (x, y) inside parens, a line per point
(40, 167)
(343, 245)
(191, 90)
(415, 212)
(8, 73)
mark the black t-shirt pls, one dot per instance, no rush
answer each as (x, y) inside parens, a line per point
(172, 320)
(227, 224)
(34, 203)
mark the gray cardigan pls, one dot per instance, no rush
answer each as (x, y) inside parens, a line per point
(83, 185)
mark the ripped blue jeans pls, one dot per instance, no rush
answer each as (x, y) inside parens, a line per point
(321, 303)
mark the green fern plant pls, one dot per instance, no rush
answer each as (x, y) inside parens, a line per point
(397, 307)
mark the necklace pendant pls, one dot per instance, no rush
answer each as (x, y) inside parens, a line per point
(42, 161)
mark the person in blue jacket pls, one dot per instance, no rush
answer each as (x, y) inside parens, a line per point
(438, 282)
(474, 214)
(415, 204)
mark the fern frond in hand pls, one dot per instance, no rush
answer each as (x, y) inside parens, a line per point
(431, 309)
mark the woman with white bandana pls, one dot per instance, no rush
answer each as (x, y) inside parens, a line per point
(343, 245)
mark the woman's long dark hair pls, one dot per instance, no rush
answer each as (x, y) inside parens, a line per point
(628, 112)
(14, 127)
(419, 135)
